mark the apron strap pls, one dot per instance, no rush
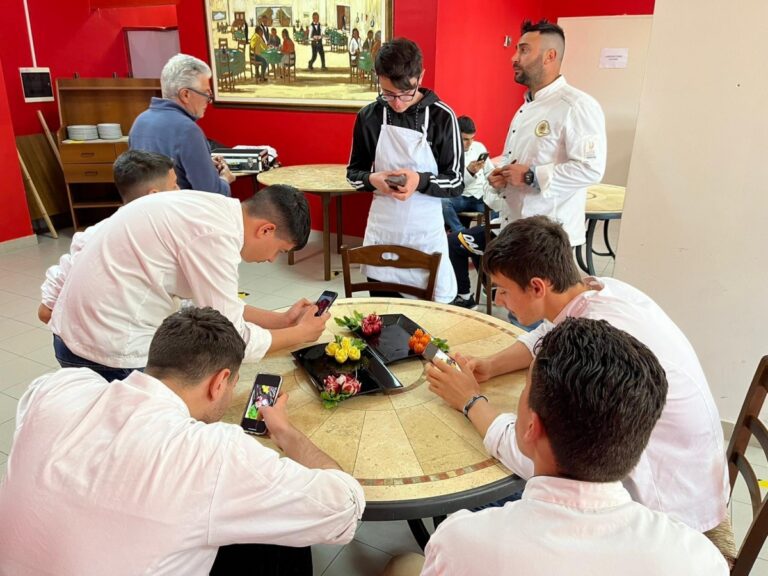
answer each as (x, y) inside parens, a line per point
(384, 116)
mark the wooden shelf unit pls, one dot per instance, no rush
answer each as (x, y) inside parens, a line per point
(88, 165)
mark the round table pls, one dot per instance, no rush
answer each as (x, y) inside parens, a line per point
(414, 455)
(605, 202)
(324, 180)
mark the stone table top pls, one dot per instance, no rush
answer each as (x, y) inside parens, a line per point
(408, 444)
(315, 178)
(605, 198)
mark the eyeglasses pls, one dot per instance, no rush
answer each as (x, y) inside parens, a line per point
(206, 95)
(404, 97)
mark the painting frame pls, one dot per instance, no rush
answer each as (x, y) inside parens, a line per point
(340, 87)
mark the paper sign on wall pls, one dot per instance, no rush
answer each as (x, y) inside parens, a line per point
(614, 57)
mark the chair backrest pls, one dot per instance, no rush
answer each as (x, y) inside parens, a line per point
(406, 258)
(747, 425)
(224, 43)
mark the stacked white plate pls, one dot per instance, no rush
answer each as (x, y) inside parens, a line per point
(109, 131)
(82, 132)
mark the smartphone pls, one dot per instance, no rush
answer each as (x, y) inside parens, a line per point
(433, 353)
(324, 302)
(483, 157)
(265, 389)
(395, 181)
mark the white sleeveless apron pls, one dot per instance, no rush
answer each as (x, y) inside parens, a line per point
(417, 222)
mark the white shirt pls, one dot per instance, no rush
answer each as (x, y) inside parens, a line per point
(129, 274)
(561, 133)
(569, 527)
(474, 185)
(682, 471)
(56, 275)
(354, 46)
(117, 478)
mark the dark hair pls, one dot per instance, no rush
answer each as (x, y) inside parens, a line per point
(466, 125)
(534, 247)
(598, 392)
(195, 343)
(135, 171)
(543, 26)
(399, 60)
(287, 208)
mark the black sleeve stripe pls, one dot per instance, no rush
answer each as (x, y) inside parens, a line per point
(457, 180)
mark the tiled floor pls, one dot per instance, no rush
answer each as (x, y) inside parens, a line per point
(26, 352)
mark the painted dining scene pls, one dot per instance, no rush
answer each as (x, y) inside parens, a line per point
(302, 53)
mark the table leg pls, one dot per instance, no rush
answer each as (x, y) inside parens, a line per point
(339, 225)
(590, 253)
(420, 532)
(610, 252)
(327, 235)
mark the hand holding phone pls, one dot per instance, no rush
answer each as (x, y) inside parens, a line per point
(265, 389)
(395, 181)
(433, 354)
(483, 157)
(324, 302)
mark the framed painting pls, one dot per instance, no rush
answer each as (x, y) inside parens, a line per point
(315, 54)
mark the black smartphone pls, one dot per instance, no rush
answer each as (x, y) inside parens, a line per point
(395, 181)
(433, 354)
(483, 157)
(324, 302)
(265, 389)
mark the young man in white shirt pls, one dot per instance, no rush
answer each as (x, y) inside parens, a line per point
(682, 472)
(134, 268)
(136, 173)
(477, 166)
(139, 476)
(592, 398)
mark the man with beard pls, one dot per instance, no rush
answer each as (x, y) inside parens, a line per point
(555, 150)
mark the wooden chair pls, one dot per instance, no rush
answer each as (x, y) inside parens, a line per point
(747, 425)
(287, 68)
(483, 279)
(354, 71)
(406, 258)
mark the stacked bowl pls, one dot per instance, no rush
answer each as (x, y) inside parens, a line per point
(109, 131)
(82, 132)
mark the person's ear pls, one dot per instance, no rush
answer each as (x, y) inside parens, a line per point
(538, 286)
(218, 383)
(421, 76)
(535, 432)
(265, 230)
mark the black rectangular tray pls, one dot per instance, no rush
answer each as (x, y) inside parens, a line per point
(391, 345)
(371, 372)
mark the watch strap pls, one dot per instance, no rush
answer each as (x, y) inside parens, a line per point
(471, 403)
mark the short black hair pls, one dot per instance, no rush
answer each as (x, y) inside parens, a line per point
(400, 60)
(543, 26)
(598, 392)
(287, 208)
(195, 343)
(535, 247)
(466, 125)
(135, 171)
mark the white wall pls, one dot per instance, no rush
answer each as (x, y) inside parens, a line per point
(694, 232)
(617, 89)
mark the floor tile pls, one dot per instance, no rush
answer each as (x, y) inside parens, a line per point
(359, 559)
(44, 355)
(323, 555)
(3, 465)
(391, 537)
(6, 435)
(23, 371)
(27, 342)
(760, 568)
(10, 328)
(17, 390)
(7, 407)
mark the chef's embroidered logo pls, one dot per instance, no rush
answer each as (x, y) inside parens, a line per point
(542, 128)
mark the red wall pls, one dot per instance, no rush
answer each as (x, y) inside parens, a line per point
(14, 217)
(69, 37)
(554, 9)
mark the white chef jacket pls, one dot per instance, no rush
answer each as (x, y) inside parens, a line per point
(561, 133)
(682, 471)
(128, 275)
(117, 478)
(570, 527)
(56, 275)
(474, 185)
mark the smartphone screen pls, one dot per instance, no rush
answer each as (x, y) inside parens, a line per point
(324, 302)
(265, 389)
(483, 157)
(433, 354)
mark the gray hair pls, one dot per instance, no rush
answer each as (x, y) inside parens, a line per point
(182, 71)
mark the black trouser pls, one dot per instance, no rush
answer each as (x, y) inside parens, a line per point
(262, 560)
(317, 48)
(382, 293)
(472, 246)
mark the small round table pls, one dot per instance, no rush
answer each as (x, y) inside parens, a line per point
(415, 456)
(324, 180)
(605, 202)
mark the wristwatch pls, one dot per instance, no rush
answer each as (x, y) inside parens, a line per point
(529, 177)
(471, 403)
